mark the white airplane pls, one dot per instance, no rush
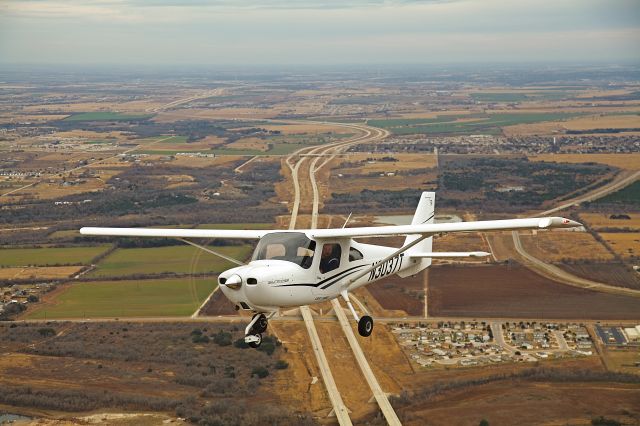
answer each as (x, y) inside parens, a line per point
(302, 267)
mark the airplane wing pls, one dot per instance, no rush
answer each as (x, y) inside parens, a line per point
(176, 233)
(437, 228)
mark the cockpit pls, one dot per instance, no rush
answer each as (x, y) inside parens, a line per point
(293, 247)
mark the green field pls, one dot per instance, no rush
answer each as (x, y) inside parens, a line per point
(519, 97)
(145, 298)
(106, 116)
(173, 139)
(50, 256)
(172, 259)
(629, 195)
(485, 124)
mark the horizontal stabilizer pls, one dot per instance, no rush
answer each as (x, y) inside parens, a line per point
(452, 254)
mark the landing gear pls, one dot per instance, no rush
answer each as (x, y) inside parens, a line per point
(365, 324)
(258, 325)
(253, 340)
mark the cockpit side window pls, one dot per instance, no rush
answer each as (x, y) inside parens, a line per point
(355, 254)
(290, 246)
(330, 258)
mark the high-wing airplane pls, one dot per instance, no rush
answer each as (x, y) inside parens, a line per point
(302, 267)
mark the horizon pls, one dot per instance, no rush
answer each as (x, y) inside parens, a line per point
(248, 33)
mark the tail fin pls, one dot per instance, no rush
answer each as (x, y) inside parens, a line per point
(425, 213)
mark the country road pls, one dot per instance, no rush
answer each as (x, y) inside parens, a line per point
(620, 182)
(557, 274)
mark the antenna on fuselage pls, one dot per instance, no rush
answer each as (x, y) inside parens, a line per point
(347, 221)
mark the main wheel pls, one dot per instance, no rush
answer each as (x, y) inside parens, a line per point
(260, 325)
(256, 340)
(365, 326)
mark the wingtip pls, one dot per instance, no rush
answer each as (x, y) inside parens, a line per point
(558, 222)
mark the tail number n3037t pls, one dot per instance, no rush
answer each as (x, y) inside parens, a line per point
(389, 267)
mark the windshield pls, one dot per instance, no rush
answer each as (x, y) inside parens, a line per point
(290, 246)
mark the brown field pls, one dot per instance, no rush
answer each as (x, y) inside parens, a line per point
(600, 220)
(625, 244)
(310, 128)
(250, 143)
(221, 160)
(611, 273)
(515, 291)
(357, 184)
(38, 272)
(623, 161)
(531, 403)
(603, 122)
(51, 190)
(373, 165)
(401, 294)
(622, 360)
(218, 113)
(563, 245)
(218, 305)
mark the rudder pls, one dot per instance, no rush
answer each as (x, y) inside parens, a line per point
(425, 213)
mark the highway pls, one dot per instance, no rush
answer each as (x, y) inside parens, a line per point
(326, 153)
(339, 409)
(557, 274)
(380, 396)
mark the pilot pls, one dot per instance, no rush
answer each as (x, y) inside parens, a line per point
(329, 259)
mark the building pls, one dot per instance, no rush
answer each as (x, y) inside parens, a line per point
(633, 333)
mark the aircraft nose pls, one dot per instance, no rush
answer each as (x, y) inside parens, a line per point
(233, 282)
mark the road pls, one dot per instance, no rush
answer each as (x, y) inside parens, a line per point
(557, 274)
(339, 409)
(379, 395)
(624, 179)
(371, 134)
(496, 329)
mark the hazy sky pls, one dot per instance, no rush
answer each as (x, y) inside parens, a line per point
(241, 32)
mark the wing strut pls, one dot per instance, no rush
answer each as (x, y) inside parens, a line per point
(215, 253)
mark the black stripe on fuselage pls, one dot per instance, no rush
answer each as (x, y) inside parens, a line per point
(337, 277)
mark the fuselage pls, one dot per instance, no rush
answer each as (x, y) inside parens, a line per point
(289, 269)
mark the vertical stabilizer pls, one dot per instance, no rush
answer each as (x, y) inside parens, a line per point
(425, 213)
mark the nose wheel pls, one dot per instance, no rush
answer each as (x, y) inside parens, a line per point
(253, 332)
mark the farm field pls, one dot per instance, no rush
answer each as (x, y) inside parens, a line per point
(171, 259)
(552, 402)
(137, 298)
(517, 292)
(559, 246)
(611, 273)
(49, 256)
(628, 196)
(38, 272)
(466, 124)
(107, 116)
(400, 294)
(625, 244)
(630, 161)
(598, 221)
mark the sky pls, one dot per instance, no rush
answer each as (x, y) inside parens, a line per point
(314, 32)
